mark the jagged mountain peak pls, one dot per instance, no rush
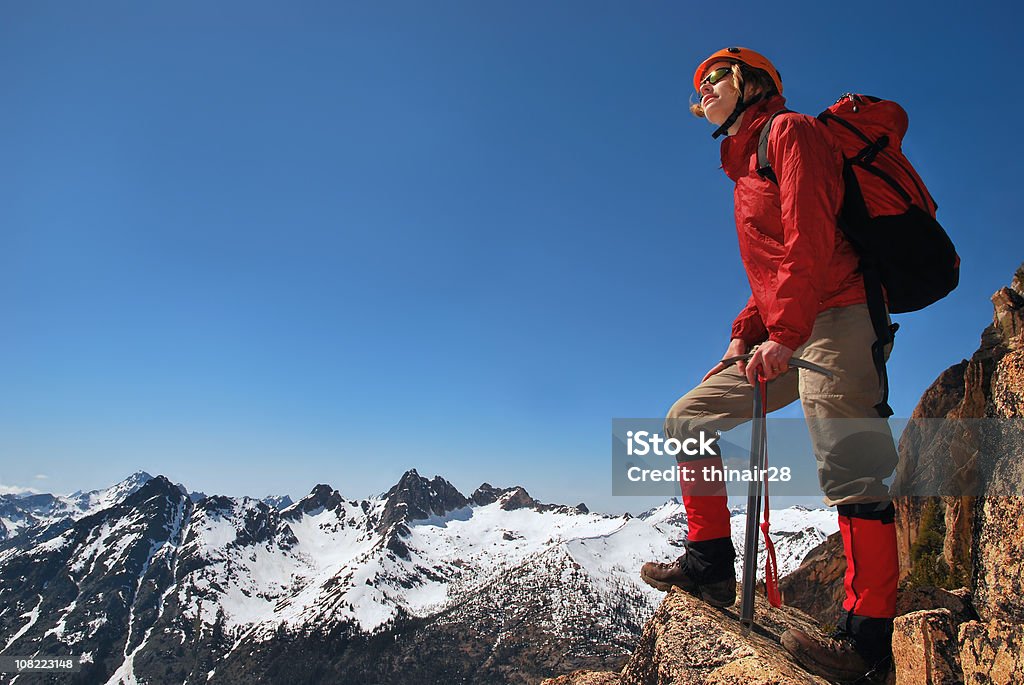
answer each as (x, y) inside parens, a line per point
(486, 494)
(139, 476)
(117, 491)
(517, 498)
(414, 488)
(215, 503)
(278, 502)
(37, 512)
(321, 498)
(134, 481)
(155, 486)
(414, 498)
(670, 509)
(412, 480)
(96, 500)
(195, 495)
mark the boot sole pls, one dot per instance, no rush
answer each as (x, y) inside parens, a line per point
(829, 671)
(659, 585)
(665, 587)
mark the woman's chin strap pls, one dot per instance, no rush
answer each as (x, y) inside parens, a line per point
(741, 106)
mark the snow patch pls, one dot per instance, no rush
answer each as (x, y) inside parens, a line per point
(32, 617)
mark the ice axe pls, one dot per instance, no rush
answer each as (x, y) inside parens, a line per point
(758, 458)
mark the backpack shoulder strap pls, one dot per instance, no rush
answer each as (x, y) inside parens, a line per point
(764, 166)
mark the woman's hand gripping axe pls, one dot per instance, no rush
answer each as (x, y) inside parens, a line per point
(758, 458)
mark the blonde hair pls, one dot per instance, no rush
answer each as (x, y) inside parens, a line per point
(754, 81)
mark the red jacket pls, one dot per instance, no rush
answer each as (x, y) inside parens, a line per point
(797, 260)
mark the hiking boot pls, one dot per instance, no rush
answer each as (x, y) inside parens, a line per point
(837, 657)
(664, 576)
(705, 571)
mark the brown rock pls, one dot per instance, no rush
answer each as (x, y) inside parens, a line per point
(943, 395)
(584, 678)
(992, 653)
(975, 531)
(925, 649)
(816, 587)
(1007, 380)
(999, 550)
(517, 498)
(1009, 317)
(687, 641)
(958, 602)
(956, 548)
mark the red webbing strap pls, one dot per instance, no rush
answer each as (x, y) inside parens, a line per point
(771, 569)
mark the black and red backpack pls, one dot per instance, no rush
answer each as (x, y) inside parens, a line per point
(888, 216)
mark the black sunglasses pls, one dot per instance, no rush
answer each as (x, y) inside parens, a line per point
(716, 76)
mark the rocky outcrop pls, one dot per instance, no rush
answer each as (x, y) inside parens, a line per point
(925, 644)
(956, 602)
(965, 435)
(992, 653)
(688, 642)
(924, 649)
(999, 551)
(816, 587)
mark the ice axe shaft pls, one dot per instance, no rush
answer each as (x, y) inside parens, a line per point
(753, 510)
(757, 461)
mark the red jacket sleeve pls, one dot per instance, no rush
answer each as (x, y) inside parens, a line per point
(748, 325)
(809, 171)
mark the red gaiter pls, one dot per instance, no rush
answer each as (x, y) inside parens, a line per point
(872, 566)
(705, 499)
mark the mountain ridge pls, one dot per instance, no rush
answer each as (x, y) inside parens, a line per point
(161, 587)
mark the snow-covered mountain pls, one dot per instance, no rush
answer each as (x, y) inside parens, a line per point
(26, 511)
(23, 512)
(418, 584)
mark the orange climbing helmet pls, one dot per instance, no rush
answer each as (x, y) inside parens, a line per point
(744, 56)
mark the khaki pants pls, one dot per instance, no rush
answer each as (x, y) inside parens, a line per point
(853, 447)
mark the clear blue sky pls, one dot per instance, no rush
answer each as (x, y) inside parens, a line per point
(257, 246)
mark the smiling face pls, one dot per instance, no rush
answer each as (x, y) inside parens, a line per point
(718, 100)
